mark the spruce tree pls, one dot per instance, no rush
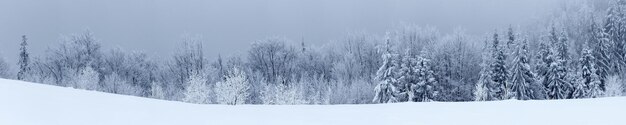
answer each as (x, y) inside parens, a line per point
(588, 84)
(601, 52)
(556, 78)
(424, 89)
(407, 77)
(615, 28)
(385, 91)
(498, 69)
(24, 59)
(522, 78)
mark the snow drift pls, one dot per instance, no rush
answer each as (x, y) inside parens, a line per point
(23, 103)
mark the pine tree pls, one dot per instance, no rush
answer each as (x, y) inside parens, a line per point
(498, 69)
(522, 78)
(24, 59)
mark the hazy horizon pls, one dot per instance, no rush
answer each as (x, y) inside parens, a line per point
(156, 26)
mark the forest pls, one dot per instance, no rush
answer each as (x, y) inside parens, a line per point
(579, 51)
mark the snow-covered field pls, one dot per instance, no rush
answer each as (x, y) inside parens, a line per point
(23, 103)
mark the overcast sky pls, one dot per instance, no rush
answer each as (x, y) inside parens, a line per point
(229, 26)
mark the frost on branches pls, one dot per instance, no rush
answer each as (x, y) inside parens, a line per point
(522, 78)
(385, 91)
(234, 89)
(197, 90)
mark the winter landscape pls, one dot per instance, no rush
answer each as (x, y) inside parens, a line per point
(536, 62)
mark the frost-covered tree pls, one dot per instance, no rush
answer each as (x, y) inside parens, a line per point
(421, 87)
(481, 91)
(556, 85)
(4, 68)
(156, 91)
(522, 77)
(588, 84)
(188, 60)
(387, 75)
(23, 59)
(615, 27)
(197, 90)
(423, 90)
(511, 41)
(272, 58)
(281, 94)
(87, 79)
(234, 89)
(614, 87)
(498, 86)
(601, 52)
(407, 77)
(556, 79)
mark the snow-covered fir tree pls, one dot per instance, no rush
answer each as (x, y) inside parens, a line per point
(407, 77)
(522, 77)
(23, 60)
(615, 28)
(510, 42)
(234, 89)
(588, 83)
(424, 88)
(385, 91)
(601, 52)
(498, 86)
(558, 86)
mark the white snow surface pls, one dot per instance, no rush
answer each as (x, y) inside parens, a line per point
(24, 103)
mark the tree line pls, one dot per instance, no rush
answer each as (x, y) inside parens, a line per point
(582, 54)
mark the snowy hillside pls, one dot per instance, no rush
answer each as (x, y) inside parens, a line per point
(24, 103)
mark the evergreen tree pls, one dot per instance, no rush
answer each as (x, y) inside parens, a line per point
(481, 91)
(407, 77)
(24, 59)
(615, 27)
(510, 43)
(522, 78)
(385, 91)
(588, 84)
(498, 70)
(556, 78)
(424, 88)
(601, 52)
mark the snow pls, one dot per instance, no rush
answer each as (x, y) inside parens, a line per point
(23, 103)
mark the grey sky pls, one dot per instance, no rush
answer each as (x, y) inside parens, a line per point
(229, 26)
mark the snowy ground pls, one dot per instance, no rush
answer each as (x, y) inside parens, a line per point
(23, 103)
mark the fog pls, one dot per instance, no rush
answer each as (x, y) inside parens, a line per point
(229, 26)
